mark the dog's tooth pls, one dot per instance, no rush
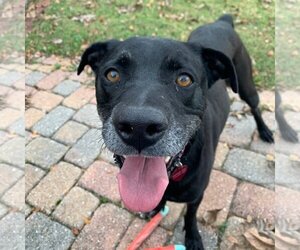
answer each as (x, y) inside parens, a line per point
(167, 159)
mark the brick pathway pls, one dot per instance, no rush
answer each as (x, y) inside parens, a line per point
(72, 199)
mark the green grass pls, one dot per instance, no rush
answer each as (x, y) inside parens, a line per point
(287, 44)
(123, 18)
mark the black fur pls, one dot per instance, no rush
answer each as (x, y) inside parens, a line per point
(214, 55)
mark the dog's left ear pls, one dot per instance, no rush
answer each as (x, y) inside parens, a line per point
(219, 66)
(94, 54)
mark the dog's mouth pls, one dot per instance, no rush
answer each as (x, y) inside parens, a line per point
(143, 181)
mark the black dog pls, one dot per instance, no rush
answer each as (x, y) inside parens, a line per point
(162, 98)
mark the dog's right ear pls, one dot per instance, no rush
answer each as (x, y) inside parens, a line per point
(94, 54)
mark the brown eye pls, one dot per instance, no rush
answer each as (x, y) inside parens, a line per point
(113, 76)
(184, 80)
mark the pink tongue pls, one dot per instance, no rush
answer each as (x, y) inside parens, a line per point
(142, 182)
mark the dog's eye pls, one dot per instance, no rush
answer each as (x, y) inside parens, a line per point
(184, 80)
(113, 76)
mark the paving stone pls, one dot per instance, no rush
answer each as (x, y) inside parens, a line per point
(79, 98)
(287, 172)
(3, 210)
(176, 210)
(12, 232)
(101, 178)
(44, 152)
(70, 132)
(217, 198)
(34, 77)
(45, 68)
(15, 197)
(9, 175)
(238, 132)
(45, 101)
(282, 146)
(10, 78)
(83, 77)
(234, 234)
(16, 100)
(157, 239)
(255, 201)
(269, 118)
(8, 116)
(17, 127)
(290, 98)
(107, 226)
(32, 176)
(237, 106)
(86, 150)
(76, 207)
(250, 166)
(260, 146)
(53, 186)
(27, 210)
(221, 154)
(20, 84)
(32, 115)
(4, 136)
(293, 118)
(209, 236)
(89, 116)
(29, 91)
(4, 90)
(42, 233)
(12, 152)
(66, 87)
(51, 122)
(287, 205)
(267, 98)
(52, 80)
(107, 155)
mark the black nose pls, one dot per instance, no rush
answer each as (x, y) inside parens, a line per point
(140, 127)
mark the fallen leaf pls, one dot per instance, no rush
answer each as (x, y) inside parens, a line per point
(87, 220)
(211, 216)
(75, 231)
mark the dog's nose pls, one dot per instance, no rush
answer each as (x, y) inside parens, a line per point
(140, 127)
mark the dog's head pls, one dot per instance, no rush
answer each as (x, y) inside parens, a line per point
(151, 99)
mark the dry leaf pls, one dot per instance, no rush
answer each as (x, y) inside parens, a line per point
(87, 220)
(75, 231)
(265, 240)
(255, 242)
(211, 216)
(286, 240)
(270, 157)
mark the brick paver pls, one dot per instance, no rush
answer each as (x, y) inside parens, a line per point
(217, 198)
(250, 166)
(157, 238)
(76, 207)
(8, 116)
(16, 100)
(255, 201)
(45, 101)
(32, 176)
(12, 231)
(86, 150)
(13, 152)
(9, 175)
(79, 203)
(14, 197)
(70, 132)
(221, 154)
(104, 173)
(79, 98)
(34, 77)
(32, 115)
(10, 78)
(43, 233)
(89, 116)
(52, 80)
(3, 210)
(53, 186)
(44, 152)
(51, 122)
(107, 226)
(66, 87)
(238, 132)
